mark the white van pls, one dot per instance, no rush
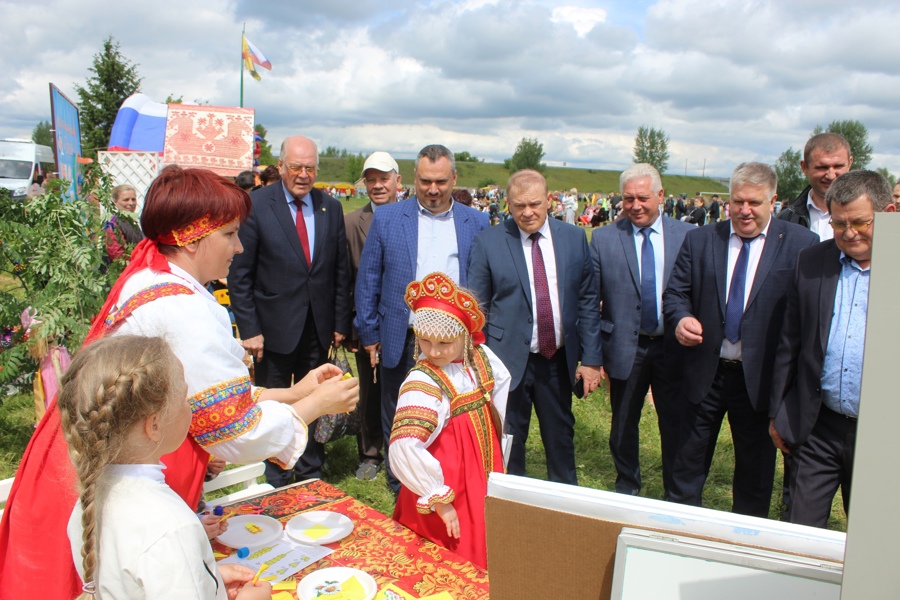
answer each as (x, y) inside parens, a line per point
(18, 162)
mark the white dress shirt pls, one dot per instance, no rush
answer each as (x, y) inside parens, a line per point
(657, 238)
(549, 254)
(308, 217)
(819, 221)
(735, 242)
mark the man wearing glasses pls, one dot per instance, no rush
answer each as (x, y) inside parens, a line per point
(818, 367)
(290, 288)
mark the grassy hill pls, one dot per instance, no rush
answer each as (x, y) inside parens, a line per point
(472, 175)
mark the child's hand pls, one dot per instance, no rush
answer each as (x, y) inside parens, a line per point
(215, 466)
(448, 515)
(214, 525)
(261, 591)
(235, 576)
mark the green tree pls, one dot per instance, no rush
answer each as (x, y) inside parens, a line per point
(265, 155)
(856, 135)
(353, 166)
(464, 156)
(791, 179)
(528, 155)
(888, 175)
(49, 264)
(651, 145)
(42, 135)
(114, 79)
(333, 152)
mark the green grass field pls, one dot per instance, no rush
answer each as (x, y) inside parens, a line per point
(472, 175)
(595, 467)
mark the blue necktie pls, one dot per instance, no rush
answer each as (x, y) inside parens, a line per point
(734, 309)
(649, 312)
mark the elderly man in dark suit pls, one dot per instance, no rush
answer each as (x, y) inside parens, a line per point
(818, 368)
(407, 241)
(290, 288)
(535, 282)
(381, 176)
(725, 301)
(633, 260)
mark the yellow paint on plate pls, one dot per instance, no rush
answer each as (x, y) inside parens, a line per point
(317, 531)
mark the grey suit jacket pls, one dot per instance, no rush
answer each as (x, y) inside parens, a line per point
(619, 288)
(498, 276)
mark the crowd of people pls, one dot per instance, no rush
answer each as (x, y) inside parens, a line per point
(463, 323)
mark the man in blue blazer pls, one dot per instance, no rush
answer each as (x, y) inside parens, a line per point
(291, 296)
(636, 355)
(407, 241)
(725, 302)
(534, 280)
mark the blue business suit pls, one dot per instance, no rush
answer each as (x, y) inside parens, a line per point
(635, 362)
(386, 267)
(697, 288)
(498, 276)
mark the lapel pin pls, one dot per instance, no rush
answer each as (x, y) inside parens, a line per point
(323, 209)
(780, 235)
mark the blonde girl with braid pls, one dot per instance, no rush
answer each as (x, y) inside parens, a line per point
(123, 404)
(446, 435)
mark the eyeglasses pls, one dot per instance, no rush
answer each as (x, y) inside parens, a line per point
(857, 227)
(298, 169)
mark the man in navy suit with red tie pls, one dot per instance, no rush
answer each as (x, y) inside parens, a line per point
(290, 288)
(725, 302)
(534, 279)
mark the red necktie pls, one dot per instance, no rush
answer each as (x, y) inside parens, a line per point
(301, 230)
(546, 328)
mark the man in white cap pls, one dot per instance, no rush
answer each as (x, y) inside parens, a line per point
(381, 176)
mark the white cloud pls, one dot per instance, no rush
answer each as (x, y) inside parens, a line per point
(727, 81)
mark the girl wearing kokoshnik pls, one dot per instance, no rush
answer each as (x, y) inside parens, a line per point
(190, 220)
(445, 439)
(123, 404)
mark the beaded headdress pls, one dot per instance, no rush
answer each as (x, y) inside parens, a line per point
(443, 310)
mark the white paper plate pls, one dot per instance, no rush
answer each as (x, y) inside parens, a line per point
(306, 589)
(239, 536)
(319, 527)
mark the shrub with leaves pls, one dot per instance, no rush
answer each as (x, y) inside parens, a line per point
(52, 259)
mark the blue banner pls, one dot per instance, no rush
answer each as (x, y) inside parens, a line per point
(68, 139)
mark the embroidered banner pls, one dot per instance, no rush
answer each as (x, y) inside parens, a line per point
(218, 138)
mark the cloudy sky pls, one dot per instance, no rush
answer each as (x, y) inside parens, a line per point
(727, 80)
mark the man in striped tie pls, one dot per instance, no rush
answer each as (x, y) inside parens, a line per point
(535, 282)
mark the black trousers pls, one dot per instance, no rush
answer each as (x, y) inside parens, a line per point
(546, 386)
(626, 398)
(754, 453)
(279, 371)
(392, 379)
(370, 437)
(821, 464)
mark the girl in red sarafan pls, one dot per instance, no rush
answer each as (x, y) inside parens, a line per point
(446, 434)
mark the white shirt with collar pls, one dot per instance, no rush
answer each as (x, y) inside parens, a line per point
(657, 238)
(549, 255)
(819, 222)
(735, 242)
(308, 217)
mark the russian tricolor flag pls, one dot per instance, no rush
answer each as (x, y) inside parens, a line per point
(251, 56)
(140, 125)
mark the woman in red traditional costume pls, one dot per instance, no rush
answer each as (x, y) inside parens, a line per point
(190, 220)
(446, 435)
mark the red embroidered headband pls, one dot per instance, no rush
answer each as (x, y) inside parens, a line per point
(438, 292)
(192, 232)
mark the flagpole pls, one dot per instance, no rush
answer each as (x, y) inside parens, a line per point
(242, 64)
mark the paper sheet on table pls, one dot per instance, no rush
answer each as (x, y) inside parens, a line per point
(284, 557)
